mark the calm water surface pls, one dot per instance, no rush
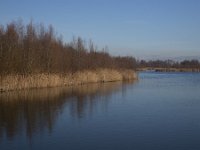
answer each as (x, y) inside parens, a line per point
(161, 111)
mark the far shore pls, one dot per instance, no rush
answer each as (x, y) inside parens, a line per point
(19, 82)
(169, 69)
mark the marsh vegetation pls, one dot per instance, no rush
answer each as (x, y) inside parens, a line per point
(33, 55)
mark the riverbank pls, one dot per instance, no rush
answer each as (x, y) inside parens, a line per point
(18, 82)
(170, 69)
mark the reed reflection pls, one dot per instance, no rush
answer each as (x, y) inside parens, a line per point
(33, 111)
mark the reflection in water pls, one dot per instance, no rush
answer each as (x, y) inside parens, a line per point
(33, 111)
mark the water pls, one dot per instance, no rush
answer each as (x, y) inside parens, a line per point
(161, 111)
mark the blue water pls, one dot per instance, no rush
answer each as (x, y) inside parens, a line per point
(160, 111)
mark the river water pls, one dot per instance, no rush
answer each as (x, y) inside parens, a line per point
(160, 111)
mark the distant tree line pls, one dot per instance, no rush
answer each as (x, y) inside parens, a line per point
(29, 49)
(169, 64)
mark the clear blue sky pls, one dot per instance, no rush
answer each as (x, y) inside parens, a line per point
(143, 28)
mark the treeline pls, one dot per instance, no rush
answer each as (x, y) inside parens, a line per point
(30, 49)
(169, 64)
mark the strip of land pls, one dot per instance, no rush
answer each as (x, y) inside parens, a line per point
(169, 69)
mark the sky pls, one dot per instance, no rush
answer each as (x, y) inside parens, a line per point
(141, 28)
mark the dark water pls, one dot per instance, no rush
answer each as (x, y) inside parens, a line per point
(161, 111)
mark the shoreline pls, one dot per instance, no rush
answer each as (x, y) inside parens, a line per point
(19, 82)
(170, 69)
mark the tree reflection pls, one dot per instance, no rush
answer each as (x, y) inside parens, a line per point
(33, 111)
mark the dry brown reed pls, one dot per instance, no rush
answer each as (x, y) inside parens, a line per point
(18, 82)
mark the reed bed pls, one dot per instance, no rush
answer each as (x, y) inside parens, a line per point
(18, 82)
